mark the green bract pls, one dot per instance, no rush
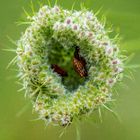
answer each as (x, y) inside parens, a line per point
(50, 39)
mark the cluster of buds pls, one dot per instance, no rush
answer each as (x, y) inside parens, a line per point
(55, 27)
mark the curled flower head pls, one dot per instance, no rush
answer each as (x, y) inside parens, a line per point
(67, 63)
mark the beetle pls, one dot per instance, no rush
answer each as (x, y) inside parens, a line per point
(79, 63)
(59, 70)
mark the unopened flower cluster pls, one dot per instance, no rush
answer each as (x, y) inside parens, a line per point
(51, 99)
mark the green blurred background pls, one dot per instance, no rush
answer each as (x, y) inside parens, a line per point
(16, 118)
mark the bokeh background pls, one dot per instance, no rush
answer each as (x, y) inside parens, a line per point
(16, 118)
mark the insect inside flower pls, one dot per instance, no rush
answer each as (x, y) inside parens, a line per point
(79, 63)
(56, 75)
(59, 70)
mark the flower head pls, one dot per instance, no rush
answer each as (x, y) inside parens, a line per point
(64, 39)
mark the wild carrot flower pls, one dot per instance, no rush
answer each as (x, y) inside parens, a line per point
(52, 38)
